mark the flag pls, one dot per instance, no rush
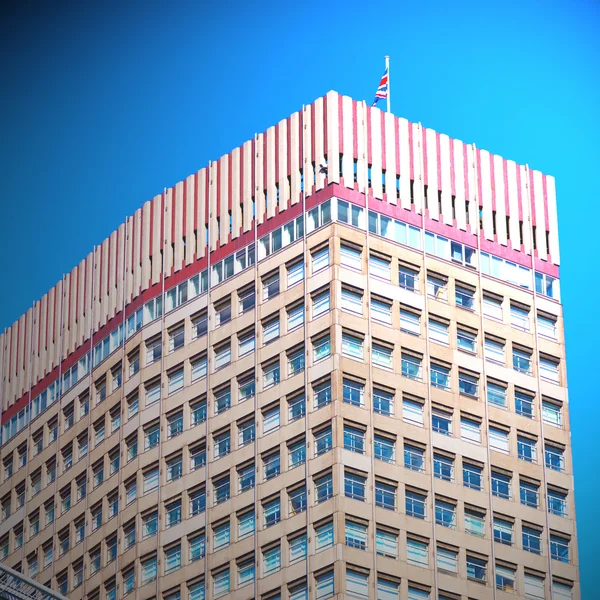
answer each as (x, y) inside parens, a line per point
(382, 90)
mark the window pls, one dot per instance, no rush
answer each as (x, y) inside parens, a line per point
(221, 536)
(357, 584)
(555, 457)
(417, 594)
(468, 384)
(410, 321)
(221, 489)
(526, 449)
(323, 441)
(447, 560)
(384, 448)
(174, 425)
(223, 313)
(440, 376)
(353, 392)
(559, 547)
(354, 439)
(411, 366)
(321, 348)
(494, 351)
(323, 488)
(506, 579)
(324, 585)
(380, 267)
(549, 369)
(382, 356)
(149, 524)
(198, 412)
(176, 338)
(417, 553)
(272, 465)
(295, 273)
(150, 480)
(476, 568)
(196, 591)
(151, 436)
(492, 307)
(386, 543)
(101, 390)
(415, 504)
(246, 525)
(271, 560)
(270, 330)
(247, 300)
(501, 485)
(323, 536)
(352, 300)
(132, 406)
(222, 444)
(524, 404)
(153, 350)
(472, 476)
(199, 365)
(246, 432)
(534, 587)
(437, 288)
(412, 412)
(298, 548)
(522, 360)
(271, 374)
(111, 549)
(172, 559)
(464, 297)
(247, 388)
(271, 420)
(503, 531)
(352, 346)
(532, 539)
(519, 317)
(443, 467)
(385, 495)
(529, 493)
(322, 394)
(557, 503)
(387, 589)
(246, 477)
(222, 400)
(199, 325)
(148, 570)
(320, 259)
(551, 414)
(270, 285)
(222, 355)
(466, 340)
(132, 447)
(297, 453)
(296, 407)
(498, 439)
(408, 278)
(547, 326)
(445, 514)
(129, 535)
(356, 535)
(438, 332)
(152, 393)
(295, 360)
(381, 310)
(297, 499)
(272, 512)
(350, 257)
(496, 394)
(441, 421)
(414, 458)
(128, 581)
(295, 317)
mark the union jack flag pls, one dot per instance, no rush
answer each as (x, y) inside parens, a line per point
(382, 90)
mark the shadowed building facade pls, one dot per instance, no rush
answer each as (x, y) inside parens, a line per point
(329, 364)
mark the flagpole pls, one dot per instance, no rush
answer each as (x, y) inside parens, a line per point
(387, 66)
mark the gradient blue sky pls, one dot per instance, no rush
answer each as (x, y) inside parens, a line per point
(104, 105)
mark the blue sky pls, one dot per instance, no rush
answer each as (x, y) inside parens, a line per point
(104, 105)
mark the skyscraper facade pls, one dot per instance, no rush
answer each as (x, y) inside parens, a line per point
(329, 364)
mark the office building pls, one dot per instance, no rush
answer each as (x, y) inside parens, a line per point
(330, 363)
